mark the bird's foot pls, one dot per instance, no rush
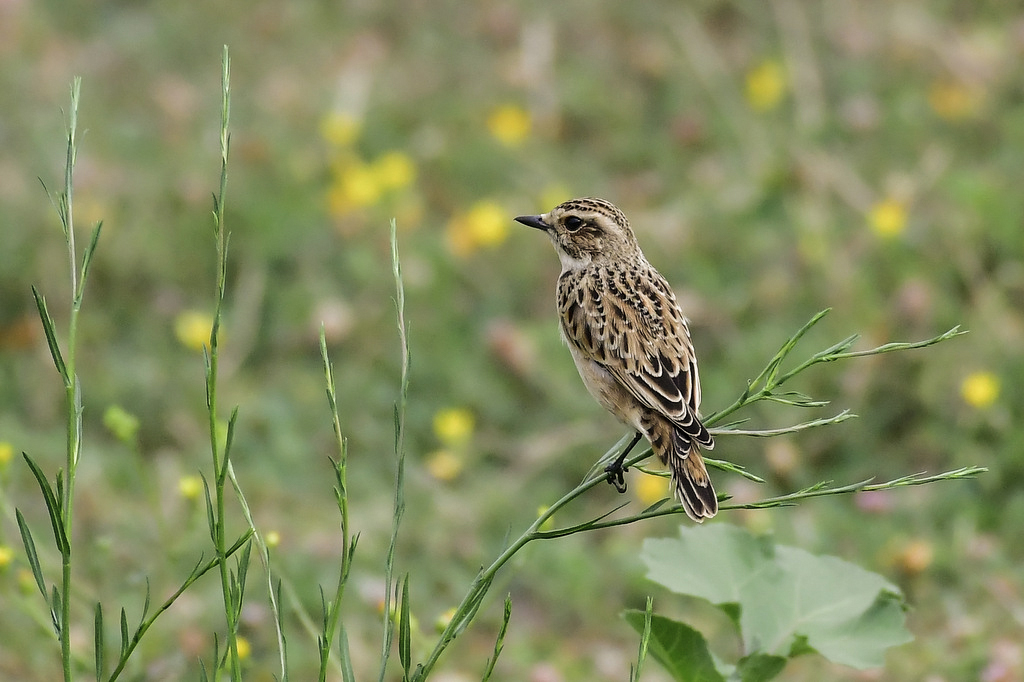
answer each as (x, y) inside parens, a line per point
(616, 471)
(617, 475)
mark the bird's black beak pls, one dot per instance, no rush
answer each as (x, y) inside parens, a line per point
(533, 221)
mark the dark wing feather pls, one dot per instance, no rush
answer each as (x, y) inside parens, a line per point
(627, 320)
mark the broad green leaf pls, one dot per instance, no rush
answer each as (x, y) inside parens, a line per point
(714, 563)
(680, 649)
(787, 600)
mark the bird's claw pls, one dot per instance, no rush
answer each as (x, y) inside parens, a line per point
(617, 476)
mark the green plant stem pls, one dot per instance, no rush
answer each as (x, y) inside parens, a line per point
(72, 390)
(818, 490)
(341, 496)
(264, 552)
(220, 460)
(399, 500)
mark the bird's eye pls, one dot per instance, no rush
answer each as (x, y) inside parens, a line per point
(573, 223)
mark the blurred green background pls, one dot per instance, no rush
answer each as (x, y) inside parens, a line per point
(775, 158)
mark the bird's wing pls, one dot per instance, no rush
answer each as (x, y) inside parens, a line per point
(628, 321)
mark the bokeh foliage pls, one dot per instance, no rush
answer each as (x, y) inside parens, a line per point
(775, 158)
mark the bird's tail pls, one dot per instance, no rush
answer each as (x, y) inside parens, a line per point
(690, 481)
(692, 485)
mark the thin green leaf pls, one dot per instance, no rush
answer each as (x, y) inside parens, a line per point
(645, 638)
(732, 467)
(51, 337)
(279, 623)
(145, 605)
(30, 553)
(53, 507)
(228, 441)
(243, 572)
(242, 539)
(347, 674)
(90, 249)
(325, 609)
(58, 623)
(124, 633)
(98, 641)
(405, 631)
(211, 517)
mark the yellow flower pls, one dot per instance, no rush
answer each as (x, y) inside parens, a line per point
(888, 218)
(272, 538)
(509, 124)
(244, 648)
(356, 186)
(954, 101)
(394, 170)
(650, 489)
(766, 84)
(485, 225)
(444, 465)
(190, 487)
(6, 454)
(453, 426)
(123, 424)
(980, 389)
(193, 329)
(6, 557)
(340, 128)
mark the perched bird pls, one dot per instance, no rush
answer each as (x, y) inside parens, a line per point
(630, 342)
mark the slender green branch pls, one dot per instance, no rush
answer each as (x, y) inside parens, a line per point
(839, 351)
(499, 642)
(819, 490)
(763, 387)
(803, 426)
(73, 390)
(399, 502)
(264, 554)
(333, 608)
(825, 488)
(198, 572)
(230, 590)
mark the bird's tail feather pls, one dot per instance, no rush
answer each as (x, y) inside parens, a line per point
(692, 485)
(690, 480)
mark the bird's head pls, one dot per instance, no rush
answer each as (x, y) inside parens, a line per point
(586, 231)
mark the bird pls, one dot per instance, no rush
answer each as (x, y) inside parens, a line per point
(630, 342)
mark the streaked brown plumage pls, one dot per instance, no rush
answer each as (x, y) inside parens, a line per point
(629, 339)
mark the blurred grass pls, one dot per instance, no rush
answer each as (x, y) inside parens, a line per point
(775, 160)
